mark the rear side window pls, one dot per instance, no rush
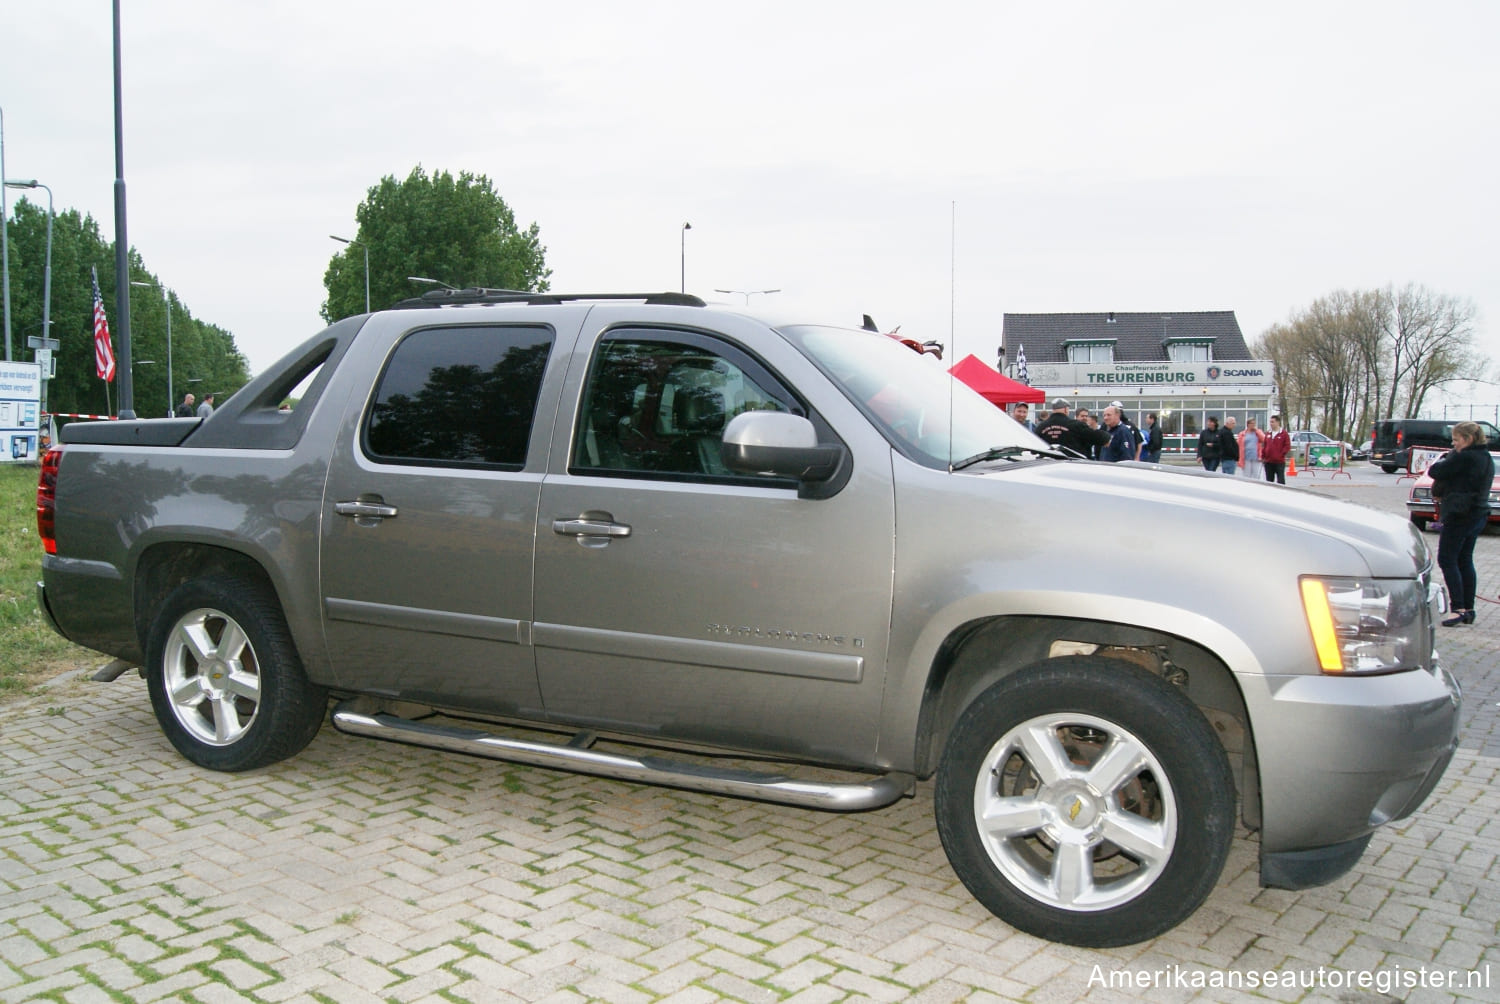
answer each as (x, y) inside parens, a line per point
(459, 397)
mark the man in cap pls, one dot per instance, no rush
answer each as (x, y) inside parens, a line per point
(1067, 433)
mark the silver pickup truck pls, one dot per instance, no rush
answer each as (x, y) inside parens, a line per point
(659, 541)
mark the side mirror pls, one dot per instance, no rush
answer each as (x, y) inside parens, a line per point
(776, 444)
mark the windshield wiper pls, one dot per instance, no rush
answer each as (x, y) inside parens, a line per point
(993, 453)
(1006, 452)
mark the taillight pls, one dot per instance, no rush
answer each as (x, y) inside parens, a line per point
(1399, 435)
(46, 499)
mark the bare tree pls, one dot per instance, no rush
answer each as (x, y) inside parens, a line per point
(1297, 381)
(1365, 324)
(1330, 334)
(1354, 357)
(1431, 343)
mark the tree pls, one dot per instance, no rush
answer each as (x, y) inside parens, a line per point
(1354, 357)
(204, 356)
(457, 231)
(1431, 337)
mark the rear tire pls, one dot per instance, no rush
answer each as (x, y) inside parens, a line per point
(1421, 522)
(1086, 801)
(225, 679)
(1388, 468)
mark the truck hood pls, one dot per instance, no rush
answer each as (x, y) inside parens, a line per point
(1173, 497)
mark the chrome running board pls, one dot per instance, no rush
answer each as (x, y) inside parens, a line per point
(833, 796)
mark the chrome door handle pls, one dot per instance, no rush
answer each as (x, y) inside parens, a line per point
(584, 527)
(366, 510)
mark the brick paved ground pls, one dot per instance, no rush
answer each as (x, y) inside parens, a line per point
(362, 871)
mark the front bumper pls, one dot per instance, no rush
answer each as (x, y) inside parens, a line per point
(1340, 756)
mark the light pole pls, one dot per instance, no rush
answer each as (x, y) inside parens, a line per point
(166, 303)
(430, 282)
(47, 274)
(5, 240)
(46, 286)
(365, 248)
(685, 228)
(747, 293)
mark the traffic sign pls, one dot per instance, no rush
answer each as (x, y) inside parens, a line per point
(37, 342)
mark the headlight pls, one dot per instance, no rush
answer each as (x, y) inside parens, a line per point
(1367, 625)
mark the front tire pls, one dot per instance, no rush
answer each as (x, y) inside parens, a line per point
(1086, 801)
(225, 679)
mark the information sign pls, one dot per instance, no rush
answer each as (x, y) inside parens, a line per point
(20, 410)
(1325, 456)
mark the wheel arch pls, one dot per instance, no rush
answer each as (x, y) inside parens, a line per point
(163, 567)
(980, 652)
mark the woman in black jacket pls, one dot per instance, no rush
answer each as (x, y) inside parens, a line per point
(1461, 483)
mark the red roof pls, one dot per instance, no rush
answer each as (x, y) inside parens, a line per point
(995, 387)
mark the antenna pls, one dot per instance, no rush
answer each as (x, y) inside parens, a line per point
(952, 313)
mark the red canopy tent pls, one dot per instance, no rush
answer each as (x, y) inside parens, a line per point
(995, 387)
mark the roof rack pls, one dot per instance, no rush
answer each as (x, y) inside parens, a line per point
(456, 297)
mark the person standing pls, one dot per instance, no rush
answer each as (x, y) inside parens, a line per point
(1099, 436)
(1022, 413)
(1067, 433)
(186, 409)
(1121, 444)
(1208, 445)
(207, 407)
(1229, 447)
(1151, 441)
(1274, 451)
(1135, 434)
(1461, 483)
(1249, 445)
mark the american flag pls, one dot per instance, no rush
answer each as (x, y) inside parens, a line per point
(104, 355)
(1021, 373)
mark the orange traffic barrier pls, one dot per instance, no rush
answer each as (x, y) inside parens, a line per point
(1291, 466)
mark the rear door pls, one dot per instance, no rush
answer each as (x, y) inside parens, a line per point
(429, 517)
(676, 599)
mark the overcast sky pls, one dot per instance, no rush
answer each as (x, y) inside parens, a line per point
(934, 165)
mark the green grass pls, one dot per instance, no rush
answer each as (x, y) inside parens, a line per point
(30, 651)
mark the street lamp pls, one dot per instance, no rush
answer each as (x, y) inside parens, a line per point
(366, 250)
(747, 293)
(46, 284)
(167, 303)
(430, 282)
(5, 241)
(685, 228)
(47, 274)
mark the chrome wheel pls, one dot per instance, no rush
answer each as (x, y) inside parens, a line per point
(1075, 811)
(211, 676)
(1085, 800)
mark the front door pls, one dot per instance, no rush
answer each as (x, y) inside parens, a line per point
(678, 599)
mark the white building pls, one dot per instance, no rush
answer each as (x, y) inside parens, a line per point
(1185, 368)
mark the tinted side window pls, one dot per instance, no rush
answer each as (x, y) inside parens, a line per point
(656, 406)
(462, 396)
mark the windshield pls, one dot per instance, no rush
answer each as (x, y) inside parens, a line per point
(910, 398)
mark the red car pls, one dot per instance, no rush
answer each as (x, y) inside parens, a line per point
(1423, 510)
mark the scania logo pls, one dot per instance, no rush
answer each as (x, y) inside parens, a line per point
(1215, 372)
